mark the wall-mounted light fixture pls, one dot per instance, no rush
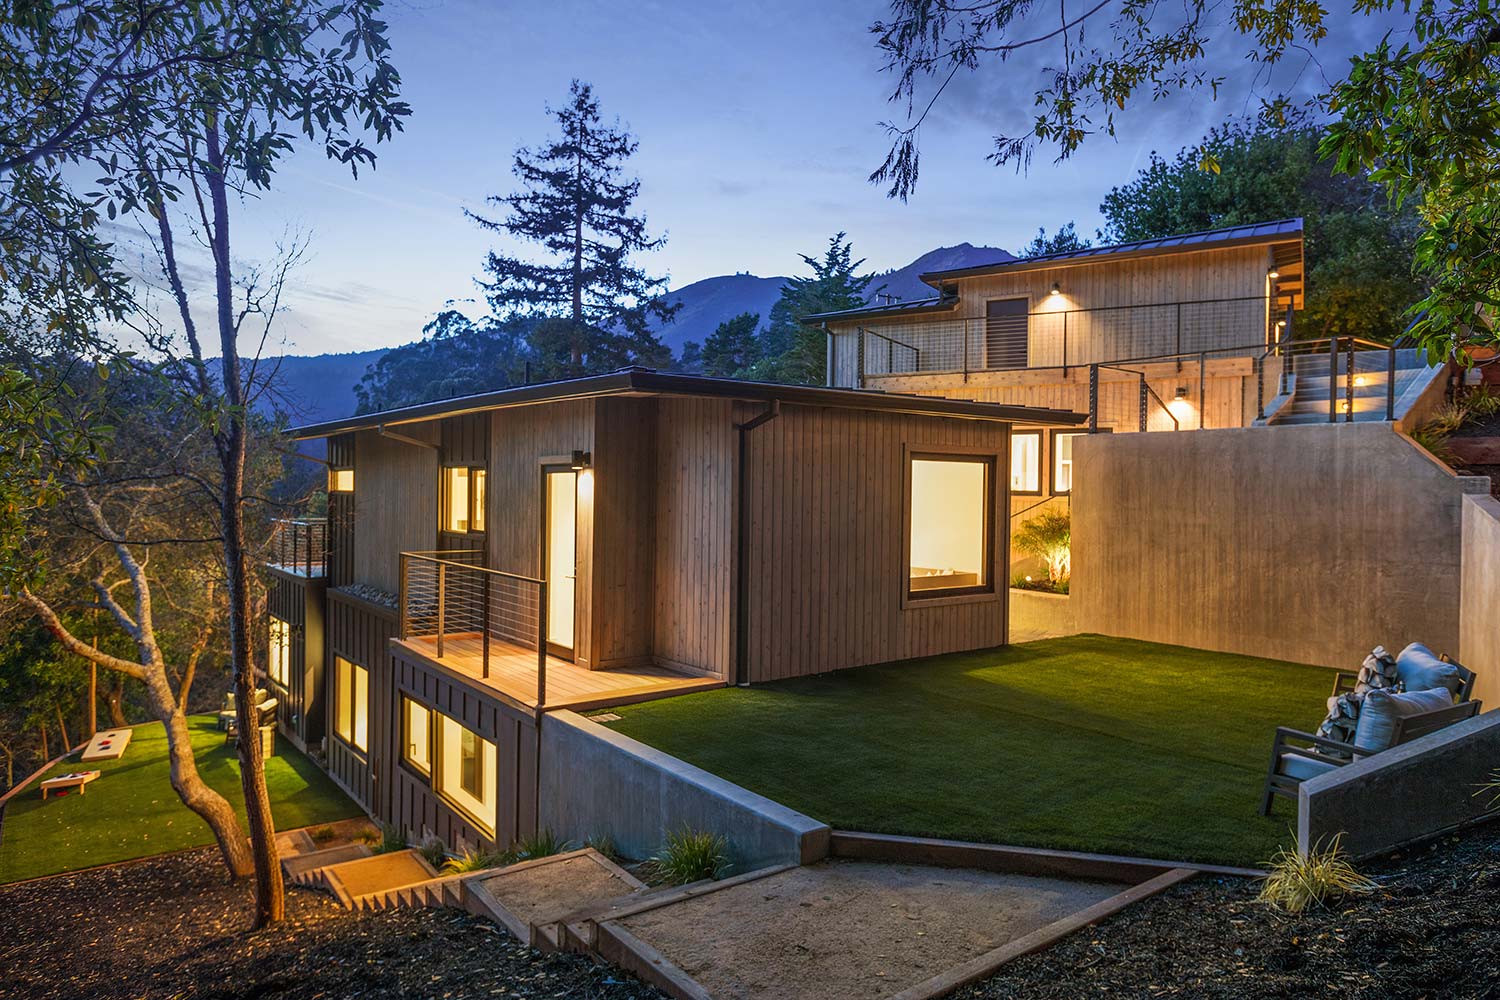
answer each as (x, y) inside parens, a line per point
(582, 460)
(1180, 395)
(1273, 274)
(1056, 289)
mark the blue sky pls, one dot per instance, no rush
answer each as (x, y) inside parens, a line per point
(758, 123)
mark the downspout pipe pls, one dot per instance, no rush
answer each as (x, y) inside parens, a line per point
(742, 545)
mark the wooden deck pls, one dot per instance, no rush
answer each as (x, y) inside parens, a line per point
(513, 672)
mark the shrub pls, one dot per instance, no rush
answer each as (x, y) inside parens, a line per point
(604, 844)
(391, 839)
(691, 856)
(1435, 441)
(1482, 401)
(542, 844)
(474, 861)
(1049, 537)
(1326, 874)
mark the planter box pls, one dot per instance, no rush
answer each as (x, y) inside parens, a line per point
(1036, 614)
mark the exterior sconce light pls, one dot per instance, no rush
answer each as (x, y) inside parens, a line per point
(1359, 380)
(1273, 274)
(1180, 395)
(581, 460)
(1056, 289)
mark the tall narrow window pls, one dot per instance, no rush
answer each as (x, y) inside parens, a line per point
(463, 499)
(351, 703)
(416, 735)
(279, 652)
(1062, 459)
(340, 480)
(951, 525)
(465, 772)
(1026, 462)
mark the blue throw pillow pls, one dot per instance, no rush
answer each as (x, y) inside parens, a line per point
(1381, 709)
(1421, 670)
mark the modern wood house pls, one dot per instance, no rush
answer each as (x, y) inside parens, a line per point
(617, 538)
(1180, 333)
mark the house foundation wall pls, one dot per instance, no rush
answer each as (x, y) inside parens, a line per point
(1479, 607)
(1306, 543)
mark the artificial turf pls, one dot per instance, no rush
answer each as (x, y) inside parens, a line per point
(1084, 743)
(131, 811)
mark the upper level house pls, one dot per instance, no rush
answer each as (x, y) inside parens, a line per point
(1146, 335)
(617, 538)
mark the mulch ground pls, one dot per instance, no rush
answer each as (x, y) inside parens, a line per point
(1431, 930)
(172, 927)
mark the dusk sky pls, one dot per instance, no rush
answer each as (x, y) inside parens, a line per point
(758, 124)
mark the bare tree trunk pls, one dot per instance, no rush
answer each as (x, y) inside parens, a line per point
(46, 754)
(115, 699)
(270, 899)
(91, 708)
(62, 727)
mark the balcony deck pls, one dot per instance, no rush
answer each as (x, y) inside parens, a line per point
(513, 674)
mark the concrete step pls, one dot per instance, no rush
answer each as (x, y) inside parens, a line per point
(302, 869)
(359, 883)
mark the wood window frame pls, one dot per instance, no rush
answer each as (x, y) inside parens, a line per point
(335, 477)
(474, 504)
(435, 781)
(1062, 432)
(340, 662)
(403, 699)
(984, 336)
(997, 497)
(1041, 457)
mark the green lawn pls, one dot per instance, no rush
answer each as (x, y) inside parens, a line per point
(130, 810)
(1084, 743)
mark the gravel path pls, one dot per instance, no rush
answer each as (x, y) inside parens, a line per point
(173, 928)
(1431, 931)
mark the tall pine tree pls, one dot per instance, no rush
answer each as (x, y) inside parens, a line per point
(575, 202)
(791, 351)
(732, 347)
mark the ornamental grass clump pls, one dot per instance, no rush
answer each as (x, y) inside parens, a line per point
(1298, 883)
(475, 861)
(691, 856)
(542, 844)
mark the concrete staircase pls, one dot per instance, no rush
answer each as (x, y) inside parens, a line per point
(1306, 402)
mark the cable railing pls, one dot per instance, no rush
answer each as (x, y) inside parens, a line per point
(1063, 338)
(1341, 371)
(299, 545)
(450, 600)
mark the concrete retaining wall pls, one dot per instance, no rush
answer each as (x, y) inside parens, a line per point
(1036, 614)
(1407, 793)
(1479, 608)
(595, 781)
(1306, 543)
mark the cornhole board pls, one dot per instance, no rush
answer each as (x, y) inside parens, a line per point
(79, 780)
(109, 744)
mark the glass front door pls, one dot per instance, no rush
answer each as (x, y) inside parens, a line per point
(561, 558)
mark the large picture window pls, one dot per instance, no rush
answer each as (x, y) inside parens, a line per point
(351, 703)
(463, 499)
(416, 735)
(279, 652)
(1026, 462)
(951, 525)
(466, 775)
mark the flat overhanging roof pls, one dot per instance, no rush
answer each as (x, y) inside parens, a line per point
(647, 382)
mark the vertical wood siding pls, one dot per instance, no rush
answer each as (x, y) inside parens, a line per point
(395, 497)
(360, 632)
(623, 502)
(341, 516)
(695, 530)
(826, 562)
(299, 602)
(464, 440)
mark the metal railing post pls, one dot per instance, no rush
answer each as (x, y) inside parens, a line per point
(541, 645)
(1143, 402)
(966, 350)
(484, 627)
(1260, 388)
(404, 628)
(442, 599)
(1333, 380)
(859, 360)
(1093, 398)
(1202, 381)
(1390, 383)
(1349, 384)
(1065, 344)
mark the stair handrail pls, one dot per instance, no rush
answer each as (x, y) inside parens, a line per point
(1287, 347)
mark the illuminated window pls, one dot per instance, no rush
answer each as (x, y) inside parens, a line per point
(279, 652)
(1062, 459)
(416, 735)
(340, 480)
(463, 499)
(351, 703)
(951, 525)
(1026, 462)
(466, 775)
